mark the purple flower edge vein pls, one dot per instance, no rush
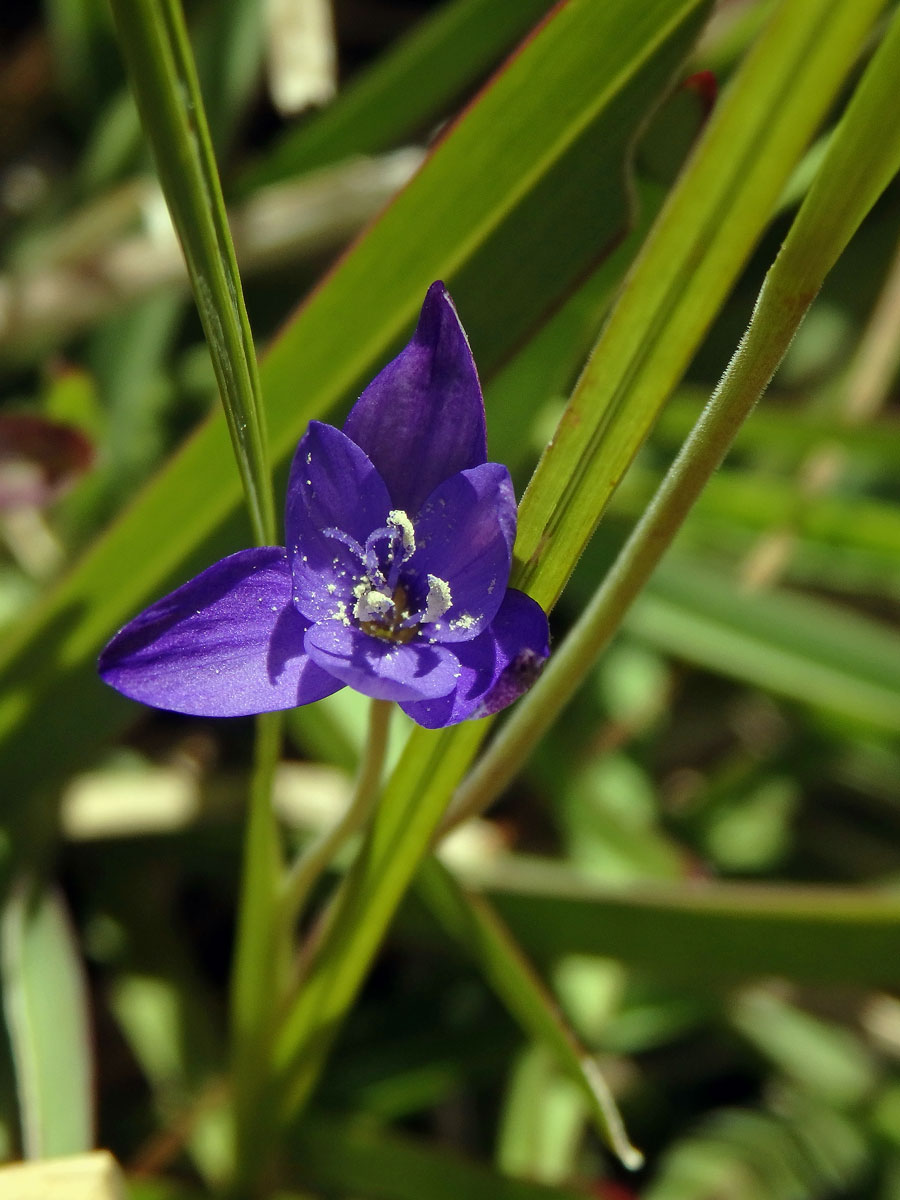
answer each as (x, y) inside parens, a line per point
(394, 578)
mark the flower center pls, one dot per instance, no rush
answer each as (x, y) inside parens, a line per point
(382, 605)
(390, 621)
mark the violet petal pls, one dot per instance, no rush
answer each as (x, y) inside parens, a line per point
(332, 486)
(464, 536)
(227, 643)
(382, 669)
(421, 419)
(495, 668)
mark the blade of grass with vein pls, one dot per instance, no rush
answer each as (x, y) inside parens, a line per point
(715, 214)
(160, 64)
(472, 921)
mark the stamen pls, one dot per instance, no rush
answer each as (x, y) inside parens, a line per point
(350, 542)
(438, 599)
(372, 563)
(404, 526)
(372, 605)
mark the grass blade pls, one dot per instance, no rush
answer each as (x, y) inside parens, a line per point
(156, 48)
(473, 922)
(709, 931)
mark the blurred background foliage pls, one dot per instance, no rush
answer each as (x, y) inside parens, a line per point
(664, 853)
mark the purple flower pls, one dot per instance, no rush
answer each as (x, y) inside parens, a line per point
(394, 578)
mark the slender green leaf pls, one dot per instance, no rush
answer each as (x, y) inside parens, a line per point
(82, 45)
(705, 931)
(256, 982)
(160, 63)
(472, 921)
(857, 167)
(45, 1002)
(228, 41)
(796, 646)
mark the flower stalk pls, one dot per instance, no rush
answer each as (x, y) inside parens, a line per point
(255, 978)
(315, 858)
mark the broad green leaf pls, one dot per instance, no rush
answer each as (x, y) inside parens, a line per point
(411, 85)
(162, 71)
(45, 1003)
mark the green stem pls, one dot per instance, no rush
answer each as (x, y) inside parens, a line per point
(315, 858)
(411, 807)
(254, 982)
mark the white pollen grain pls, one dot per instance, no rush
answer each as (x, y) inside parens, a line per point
(464, 621)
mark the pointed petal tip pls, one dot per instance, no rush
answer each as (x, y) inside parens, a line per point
(421, 419)
(438, 318)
